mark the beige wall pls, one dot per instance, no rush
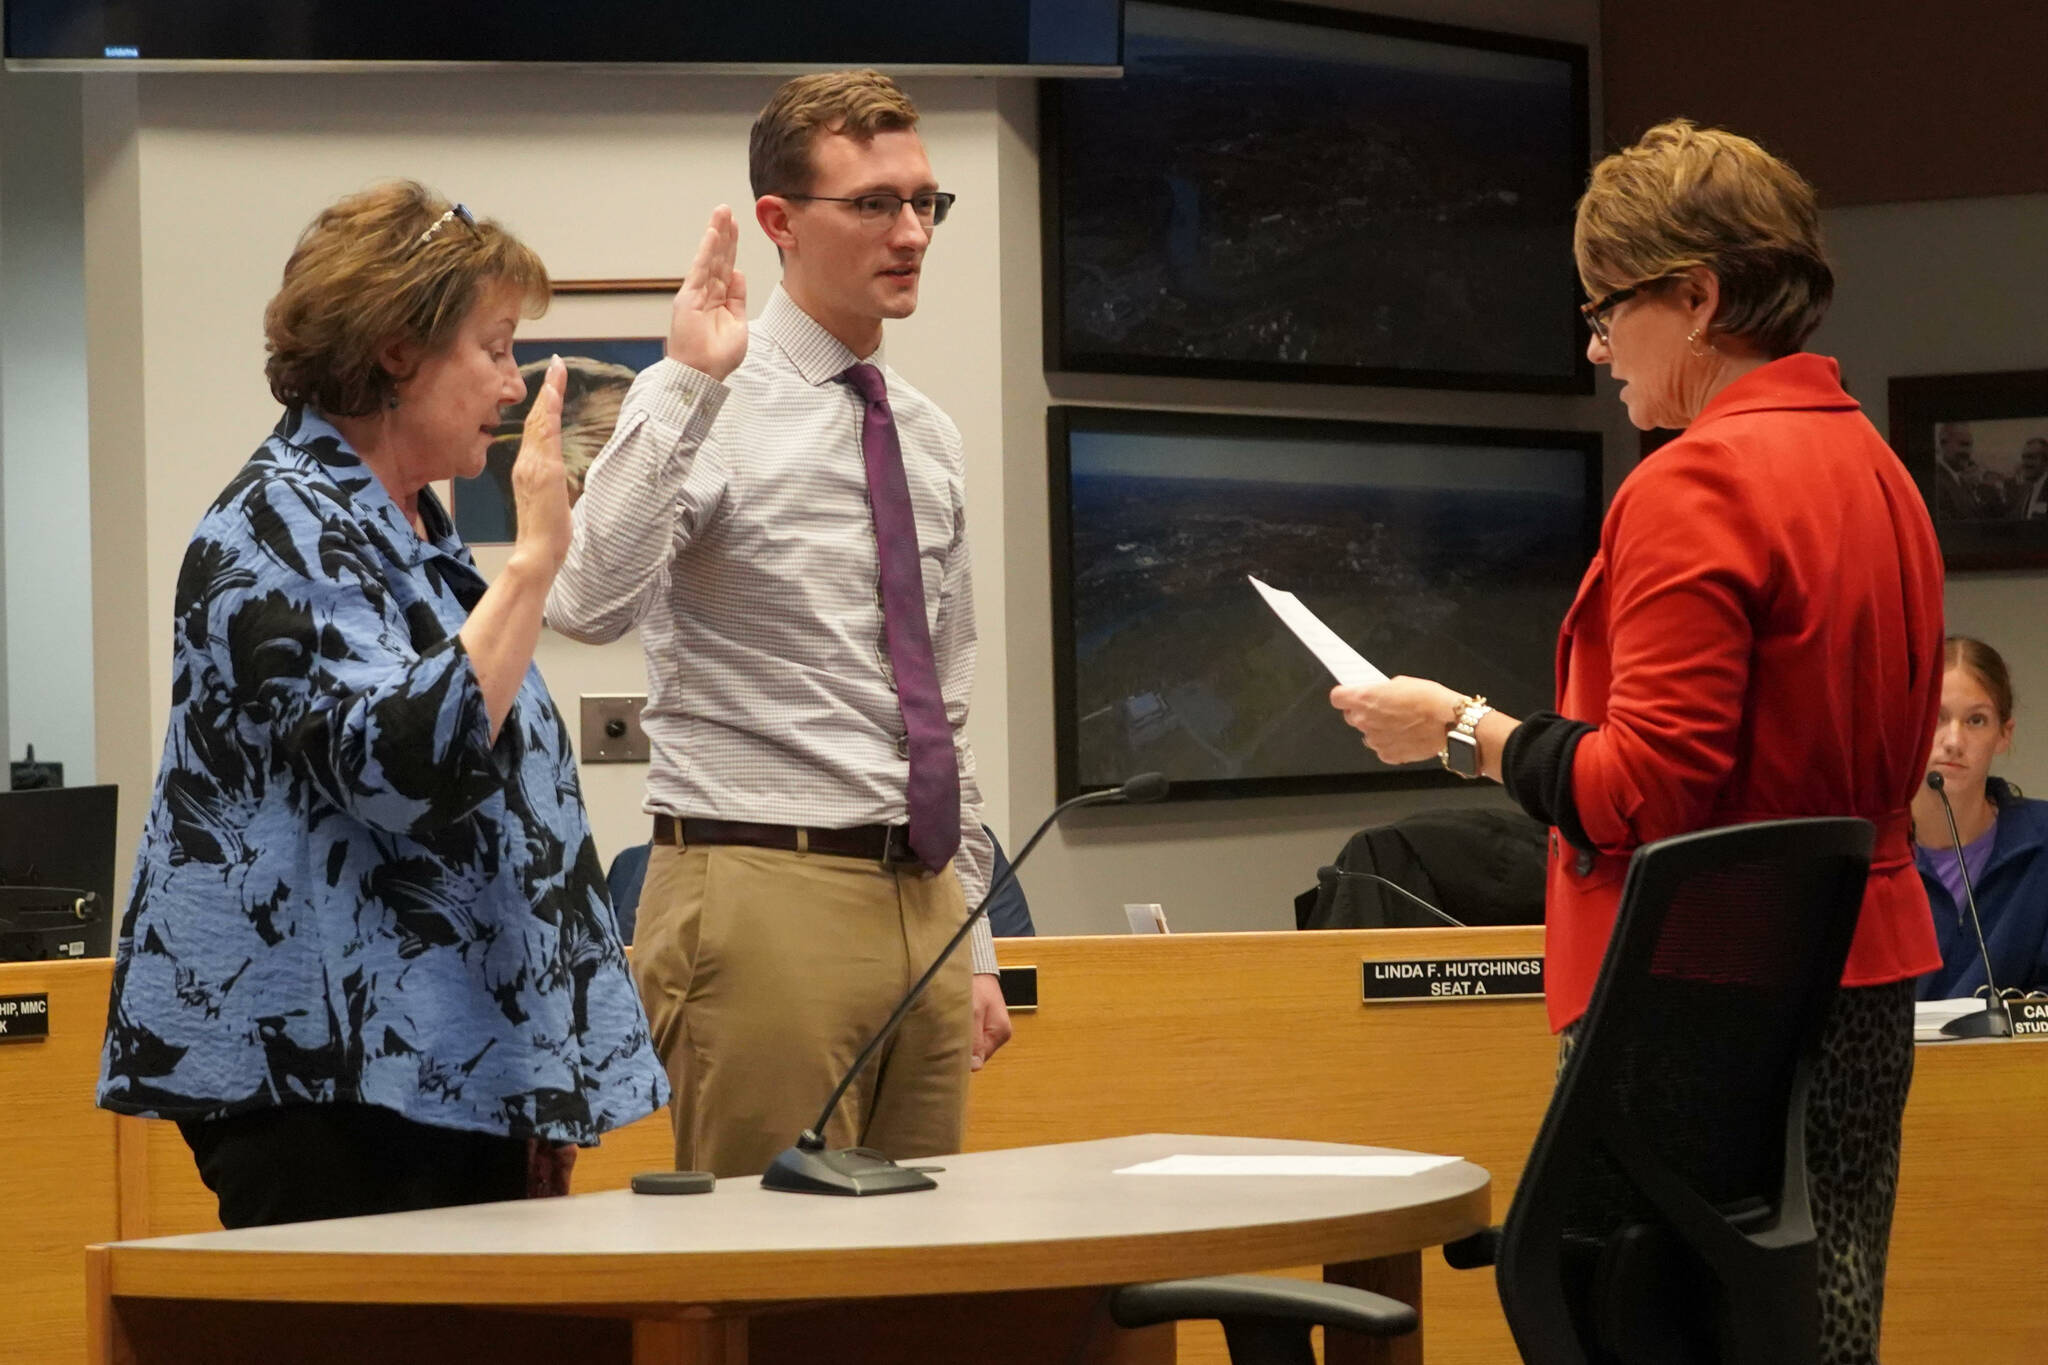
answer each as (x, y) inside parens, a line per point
(198, 184)
(1956, 287)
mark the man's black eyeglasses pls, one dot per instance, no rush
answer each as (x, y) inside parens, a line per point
(931, 207)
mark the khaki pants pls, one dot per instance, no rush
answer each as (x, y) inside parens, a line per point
(764, 972)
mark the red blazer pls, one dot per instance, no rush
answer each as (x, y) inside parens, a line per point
(1758, 637)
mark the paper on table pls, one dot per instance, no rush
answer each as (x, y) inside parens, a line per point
(1346, 664)
(1930, 1015)
(1414, 1163)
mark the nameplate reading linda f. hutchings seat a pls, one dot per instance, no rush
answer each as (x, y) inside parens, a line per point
(1453, 978)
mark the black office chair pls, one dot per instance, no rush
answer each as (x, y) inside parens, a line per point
(1663, 1217)
(1266, 1319)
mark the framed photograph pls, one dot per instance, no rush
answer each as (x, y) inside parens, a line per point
(1444, 552)
(607, 331)
(1277, 191)
(1977, 444)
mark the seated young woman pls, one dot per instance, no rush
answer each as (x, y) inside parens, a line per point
(2002, 833)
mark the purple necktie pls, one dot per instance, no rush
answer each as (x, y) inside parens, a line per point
(934, 794)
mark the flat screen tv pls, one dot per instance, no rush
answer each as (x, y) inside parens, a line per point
(57, 837)
(1276, 191)
(1443, 552)
(984, 36)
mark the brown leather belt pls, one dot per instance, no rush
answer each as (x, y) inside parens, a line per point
(888, 845)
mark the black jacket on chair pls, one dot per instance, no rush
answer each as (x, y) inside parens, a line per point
(1481, 866)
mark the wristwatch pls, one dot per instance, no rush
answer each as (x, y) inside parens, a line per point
(1460, 753)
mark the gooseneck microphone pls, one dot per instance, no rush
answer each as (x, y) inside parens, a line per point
(1338, 873)
(809, 1167)
(1996, 1019)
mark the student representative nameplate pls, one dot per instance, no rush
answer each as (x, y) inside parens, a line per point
(2029, 1018)
(1453, 978)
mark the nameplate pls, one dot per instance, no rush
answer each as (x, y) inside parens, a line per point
(2029, 1018)
(23, 1017)
(1454, 978)
(1020, 988)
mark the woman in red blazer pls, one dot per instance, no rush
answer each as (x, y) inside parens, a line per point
(1758, 637)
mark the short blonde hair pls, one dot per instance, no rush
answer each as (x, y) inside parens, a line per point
(394, 262)
(1686, 196)
(858, 104)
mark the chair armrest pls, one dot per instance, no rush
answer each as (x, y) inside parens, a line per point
(1262, 1296)
(1476, 1252)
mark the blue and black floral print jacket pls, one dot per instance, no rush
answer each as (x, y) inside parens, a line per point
(346, 891)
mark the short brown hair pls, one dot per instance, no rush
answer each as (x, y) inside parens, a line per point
(1983, 663)
(396, 261)
(1686, 196)
(858, 104)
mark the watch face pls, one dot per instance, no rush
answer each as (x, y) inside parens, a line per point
(1461, 754)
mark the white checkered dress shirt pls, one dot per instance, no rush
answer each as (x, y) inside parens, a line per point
(730, 523)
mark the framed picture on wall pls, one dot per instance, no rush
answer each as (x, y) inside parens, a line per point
(1277, 191)
(1977, 444)
(1445, 552)
(607, 331)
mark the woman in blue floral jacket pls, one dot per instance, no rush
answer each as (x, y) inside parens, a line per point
(367, 961)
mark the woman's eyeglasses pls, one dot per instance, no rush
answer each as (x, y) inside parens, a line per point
(459, 211)
(1595, 313)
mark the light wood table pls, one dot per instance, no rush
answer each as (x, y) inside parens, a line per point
(1005, 1261)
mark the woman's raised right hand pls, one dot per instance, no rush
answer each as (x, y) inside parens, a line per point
(540, 488)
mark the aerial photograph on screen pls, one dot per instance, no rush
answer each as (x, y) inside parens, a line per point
(1452, 562)
(1294, 195)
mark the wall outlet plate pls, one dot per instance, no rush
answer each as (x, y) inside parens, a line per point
(611, 730)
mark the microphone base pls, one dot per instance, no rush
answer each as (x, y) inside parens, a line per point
(1990, 1022)
(847, 1171)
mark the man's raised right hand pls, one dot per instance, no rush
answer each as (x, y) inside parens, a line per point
(707, 324)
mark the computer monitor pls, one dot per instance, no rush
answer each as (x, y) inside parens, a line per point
(57, 837)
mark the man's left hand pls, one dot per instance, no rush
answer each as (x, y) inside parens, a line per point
(991, 1019)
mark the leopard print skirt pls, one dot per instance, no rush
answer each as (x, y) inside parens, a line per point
(1854, 1110)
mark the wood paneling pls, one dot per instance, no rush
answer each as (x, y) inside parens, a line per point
(1882, 102)
(1236, 1033)
(57, 1162)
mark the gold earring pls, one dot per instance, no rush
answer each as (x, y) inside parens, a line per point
(1692, 343)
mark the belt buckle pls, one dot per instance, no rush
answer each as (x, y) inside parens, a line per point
(896, 848)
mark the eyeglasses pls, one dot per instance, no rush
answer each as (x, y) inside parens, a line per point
(1595, 313)
(459, 211)
(930, 206)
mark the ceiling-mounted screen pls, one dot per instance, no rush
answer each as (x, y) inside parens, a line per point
(985, 36)
(1292, 192)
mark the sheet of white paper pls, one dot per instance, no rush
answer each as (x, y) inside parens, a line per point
(1412, 1164)
(1930, 1015)
(1346, 664)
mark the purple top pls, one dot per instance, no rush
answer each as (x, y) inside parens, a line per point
(1941, 863)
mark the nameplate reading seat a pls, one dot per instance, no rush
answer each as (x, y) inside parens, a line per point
(2030, 1018)
(1453, 978)
(24, 1017)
